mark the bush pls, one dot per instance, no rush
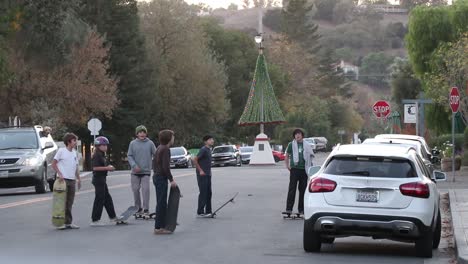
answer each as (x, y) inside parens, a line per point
(440, 140)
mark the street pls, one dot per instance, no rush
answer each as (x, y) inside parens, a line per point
(252, 230)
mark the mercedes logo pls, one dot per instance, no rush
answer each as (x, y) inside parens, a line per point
(2, 161)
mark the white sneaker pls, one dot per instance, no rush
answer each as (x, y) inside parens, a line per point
(62, 227)
(115, 220)
(72, 226)
(97, 223)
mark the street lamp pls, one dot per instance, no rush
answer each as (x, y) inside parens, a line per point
(258, 38)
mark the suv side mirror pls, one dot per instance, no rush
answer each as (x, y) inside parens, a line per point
(435, 152)
(312, 170)
(439, 176)
(48, 145)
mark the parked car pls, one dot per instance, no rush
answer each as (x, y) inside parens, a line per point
(226, 155)
(312, 142)
(181, 158)
(246, 153)
(26, 158)
(430, 152)
(410, 143)
(384, 192)
(320, 143)
(278, 155)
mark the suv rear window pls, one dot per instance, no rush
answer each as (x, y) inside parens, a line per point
(370, 167)
(18, 140)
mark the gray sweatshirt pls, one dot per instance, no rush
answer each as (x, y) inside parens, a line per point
(140, 153)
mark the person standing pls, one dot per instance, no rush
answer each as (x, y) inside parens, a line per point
(203, 170)
(140, 155)
(299, 155)
(162, 174)
(102, 197)
(65, 163)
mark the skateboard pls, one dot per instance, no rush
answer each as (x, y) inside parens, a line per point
(122, 219)
(172, 209)
(213, 215)
(292, 216)
(143, 217)
(58, 203)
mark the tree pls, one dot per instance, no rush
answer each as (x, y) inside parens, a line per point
(272, 19)
(66, 95)
(246, 4)
(403, 82)
(325, 9)
(375, 69)
(191, 81)
(342, 11)
(118, 20)
(233, 7)
(297, 26)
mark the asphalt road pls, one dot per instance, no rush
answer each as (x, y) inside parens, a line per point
(250, 231)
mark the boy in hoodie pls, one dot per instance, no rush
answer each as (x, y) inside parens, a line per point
(140, 156)
(299, 156)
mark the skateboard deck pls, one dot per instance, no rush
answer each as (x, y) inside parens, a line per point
(293, 216)
(172, 209)
(58, 203)
(125, 215)
(213, 215)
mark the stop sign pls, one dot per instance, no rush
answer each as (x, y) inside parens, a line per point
(454, 99)
(381, 109)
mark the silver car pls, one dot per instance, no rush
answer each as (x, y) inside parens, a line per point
(26, 156)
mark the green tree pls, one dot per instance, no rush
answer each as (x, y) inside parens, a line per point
(375, 69)
(297, 26)
(233, 7)
(403, 82)
(118, 20)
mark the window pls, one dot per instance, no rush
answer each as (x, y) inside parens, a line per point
(379, 167)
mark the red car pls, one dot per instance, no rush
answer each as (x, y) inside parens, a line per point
(278, 155)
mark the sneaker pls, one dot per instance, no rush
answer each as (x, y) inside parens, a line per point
(72, 226)
(288, 212)
(97, 223)
(146, 214)
(162, 231)
(62, 227)
(115, 219)
(201, 215)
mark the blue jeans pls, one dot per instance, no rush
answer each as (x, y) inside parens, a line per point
(204, 198)
(160, 183)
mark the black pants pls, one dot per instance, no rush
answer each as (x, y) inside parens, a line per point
(296, 176)
(160, 183)
(204, 198)
(102, 199)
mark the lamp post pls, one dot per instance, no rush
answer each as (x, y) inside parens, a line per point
(259, 40)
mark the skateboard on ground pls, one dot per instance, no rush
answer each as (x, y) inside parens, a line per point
(58, 203)
(143, 217)
(122, 219)
(213, 215)
(292, 216)
(172, 208)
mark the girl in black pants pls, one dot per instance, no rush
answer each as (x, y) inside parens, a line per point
(100, 169)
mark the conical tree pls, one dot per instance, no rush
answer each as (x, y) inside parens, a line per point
(262, 106)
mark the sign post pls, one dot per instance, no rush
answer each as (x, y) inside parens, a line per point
(454, 99)
(94, 126)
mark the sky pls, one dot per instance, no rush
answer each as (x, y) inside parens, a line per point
(216, 3)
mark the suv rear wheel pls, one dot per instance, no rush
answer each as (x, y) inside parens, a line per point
(312, 240)
(424, 245)
(42, 185)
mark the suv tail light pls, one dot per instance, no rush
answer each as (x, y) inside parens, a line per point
(415, 189)
(318, 185)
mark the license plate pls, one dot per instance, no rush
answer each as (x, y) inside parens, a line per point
(367, 196)
(3, 174)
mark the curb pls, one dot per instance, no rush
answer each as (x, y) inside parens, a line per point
(461, 245)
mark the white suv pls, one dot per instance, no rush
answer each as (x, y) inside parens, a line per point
(375, 191)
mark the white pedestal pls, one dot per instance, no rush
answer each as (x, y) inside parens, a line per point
(262, 153)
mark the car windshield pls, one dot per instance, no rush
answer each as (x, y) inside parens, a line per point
(379, 167)
(177, 152)
(246, 149)
(18, 140)
(223, 149)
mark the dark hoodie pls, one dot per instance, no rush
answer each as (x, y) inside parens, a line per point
(162, 162)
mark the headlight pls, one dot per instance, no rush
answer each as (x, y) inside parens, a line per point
(32, 161)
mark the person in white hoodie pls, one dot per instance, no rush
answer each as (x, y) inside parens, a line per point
(299, 155)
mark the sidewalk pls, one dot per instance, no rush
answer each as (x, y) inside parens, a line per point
(458, 193)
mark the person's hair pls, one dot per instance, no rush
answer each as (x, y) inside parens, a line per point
(206, 138)
(68, 138)
(165, 136)
(298, 131)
